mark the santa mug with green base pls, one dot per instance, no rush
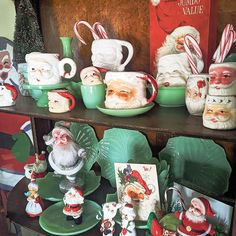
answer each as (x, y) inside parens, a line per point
(220, 112)
(196, 92)
(60, 101)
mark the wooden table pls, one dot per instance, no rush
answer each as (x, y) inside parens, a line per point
(17, 202)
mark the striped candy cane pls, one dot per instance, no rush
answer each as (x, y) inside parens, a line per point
(227, 39)
(97, 30)
(192, 62)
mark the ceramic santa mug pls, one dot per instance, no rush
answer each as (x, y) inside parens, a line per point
(128, 89)
(196, 92)
(222, 79)
(108, 54)
(47, 69)
(8, 95)
(220, 112)
(60, 101)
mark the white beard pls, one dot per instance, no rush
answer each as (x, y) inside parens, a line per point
(65, 155)
(77, 199)
(223, 90)
(6, 98)
(116, 103)
(195, 107)
(195, 219)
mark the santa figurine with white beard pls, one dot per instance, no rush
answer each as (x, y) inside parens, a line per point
(67, 157)
(73, 200)
(194, 220)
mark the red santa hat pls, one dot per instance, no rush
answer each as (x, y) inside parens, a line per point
(79, 190)
(204, 206)
(41, 157)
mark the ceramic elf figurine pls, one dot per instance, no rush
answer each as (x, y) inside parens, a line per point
(34, 206)
(109, 212)
(73, 200)
(128, 215)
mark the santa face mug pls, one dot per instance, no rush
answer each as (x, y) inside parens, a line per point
(47, 69)
(128, 89)
(60, 101)
(196, 92)
(8, 95)
(108, 54)
(220, 112)
(222, 79)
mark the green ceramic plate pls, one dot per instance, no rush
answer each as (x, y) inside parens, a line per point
(121, 145)
(54, 221)
(138, 224)
(199, 164)
(125, 112)
(49, 185)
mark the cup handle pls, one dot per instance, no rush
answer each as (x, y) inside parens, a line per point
(68, 95)
(62, 71)
(130, 53)
(154, 85)
(13, 90)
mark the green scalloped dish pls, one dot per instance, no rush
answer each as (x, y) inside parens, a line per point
(112, 197)
(49, 185)
(199, 164)
(54, 221)
(126, 112)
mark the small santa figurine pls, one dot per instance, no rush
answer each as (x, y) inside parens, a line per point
(128, 215)
(194, 220)
(73, 200)
(40, 166)
(34, 206)
(91, 76)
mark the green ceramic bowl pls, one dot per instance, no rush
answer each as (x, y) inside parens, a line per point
(171, 96)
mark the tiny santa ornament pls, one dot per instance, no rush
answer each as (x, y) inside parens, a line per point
(73, 200)
(194, 220)
(34, 206)
(128, 215)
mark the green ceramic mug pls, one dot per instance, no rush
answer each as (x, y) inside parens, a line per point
(93, 95)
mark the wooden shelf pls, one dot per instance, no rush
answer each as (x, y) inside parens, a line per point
(173, 121)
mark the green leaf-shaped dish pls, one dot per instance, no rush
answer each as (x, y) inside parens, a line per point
(121, 145)
(54, 221)
(200, 164)
(49, 185)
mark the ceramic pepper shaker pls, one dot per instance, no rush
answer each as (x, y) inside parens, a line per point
(109, 211)
(34, 206)
(128, 215)
(73, 200)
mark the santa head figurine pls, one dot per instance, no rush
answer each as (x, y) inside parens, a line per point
(91, 76)
(194, 220)
(73, 200)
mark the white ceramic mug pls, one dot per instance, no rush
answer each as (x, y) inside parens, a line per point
(222, 79)
(8, 95)
(47, 69)
(60, 101)
(128, 89)
(108, 54)
(220, 112)
(196, 92)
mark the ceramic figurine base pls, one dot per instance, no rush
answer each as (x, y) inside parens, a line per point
(49, 185)
(42, 99)
(54, 221)
(65, 184)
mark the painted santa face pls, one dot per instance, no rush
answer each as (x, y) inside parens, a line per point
(5, 64)
(222, 79)
(220, 112)
(90, 76)
(73, 197)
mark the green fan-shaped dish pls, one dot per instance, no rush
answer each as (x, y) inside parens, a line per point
(54, 221)
(200, 164)
(112, 197)
(126, 112)
(49, 185)
(121, 145)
